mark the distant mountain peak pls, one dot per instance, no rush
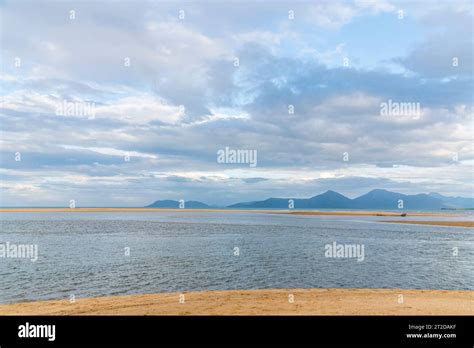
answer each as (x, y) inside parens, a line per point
(380, 191)
(331, 192)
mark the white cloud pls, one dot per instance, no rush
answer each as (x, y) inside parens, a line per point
(141, 109)
(335, 14)
(110, 151)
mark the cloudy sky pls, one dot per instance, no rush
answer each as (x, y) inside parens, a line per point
(157, 88)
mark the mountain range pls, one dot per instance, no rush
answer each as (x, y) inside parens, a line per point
(375, 199)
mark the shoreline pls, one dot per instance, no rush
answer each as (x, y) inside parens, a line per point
(330, 301)
(217, 210)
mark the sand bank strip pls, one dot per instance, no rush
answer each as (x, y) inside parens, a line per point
(160, 210)
(263, 302)
(360, 213)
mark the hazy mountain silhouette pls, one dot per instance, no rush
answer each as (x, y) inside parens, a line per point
(375, 199)
(454, 202)
(383, 199)
(329, 199)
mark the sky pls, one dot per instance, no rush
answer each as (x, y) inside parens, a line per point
(121, 103)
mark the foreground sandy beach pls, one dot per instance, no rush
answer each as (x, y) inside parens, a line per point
(263, 302)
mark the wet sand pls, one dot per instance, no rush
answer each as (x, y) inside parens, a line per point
(263, 302)
(434, 223)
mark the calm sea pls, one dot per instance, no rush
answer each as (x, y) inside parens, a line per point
(93, 254)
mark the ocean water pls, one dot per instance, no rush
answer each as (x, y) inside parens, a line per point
(85, 254)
